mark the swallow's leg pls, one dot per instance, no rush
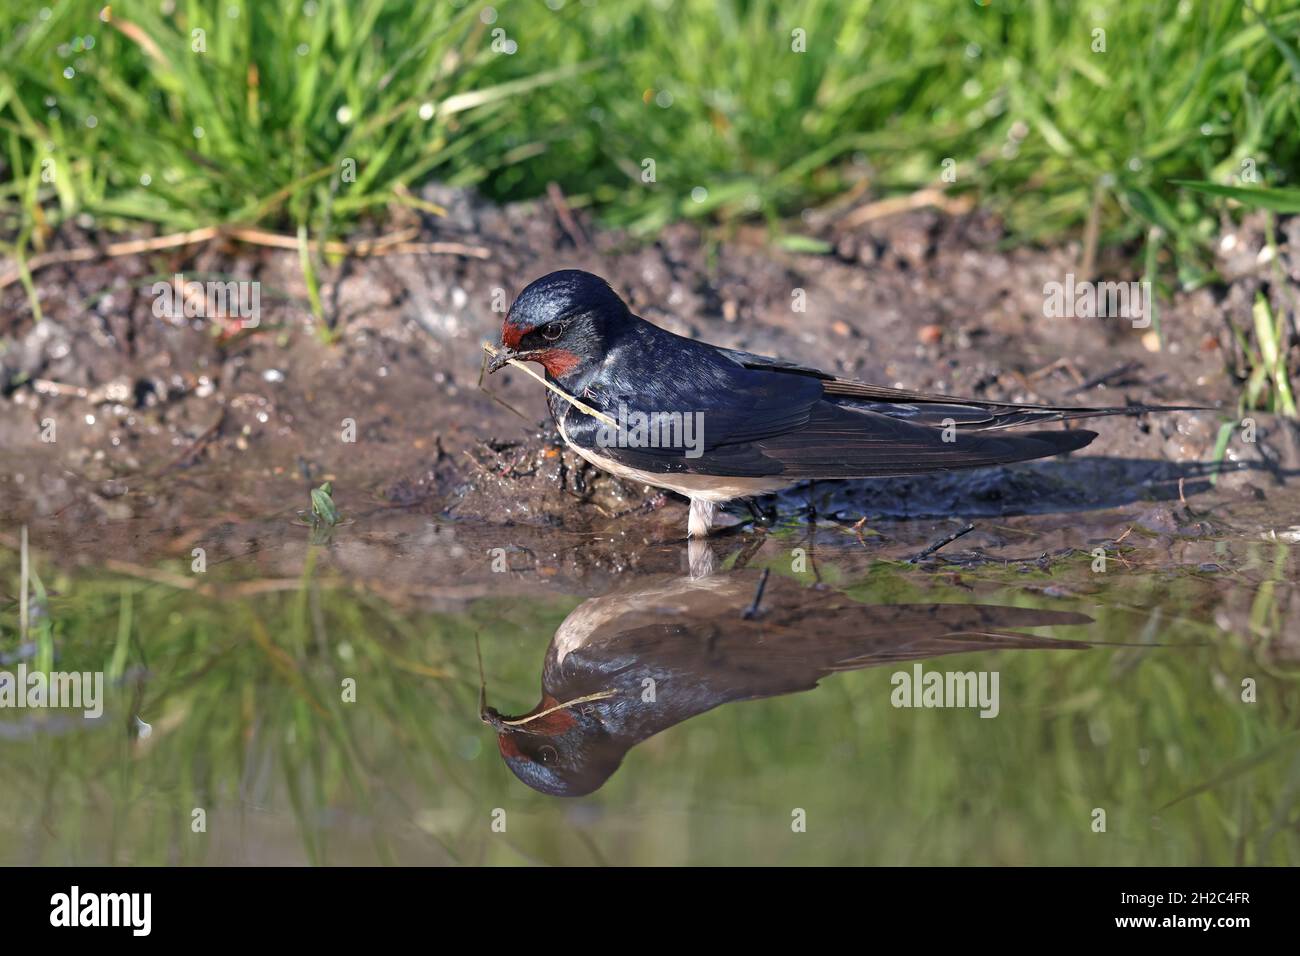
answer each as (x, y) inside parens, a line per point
(700, 521)
(701, 558)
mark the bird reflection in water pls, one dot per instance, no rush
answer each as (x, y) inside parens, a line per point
(624, 666)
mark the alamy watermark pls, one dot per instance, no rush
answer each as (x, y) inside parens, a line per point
(946, 689)
(191, 299)
(1098, 300)
(133, 911)
(76, 690)
(683, 430)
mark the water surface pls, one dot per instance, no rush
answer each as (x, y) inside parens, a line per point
(1146, 714)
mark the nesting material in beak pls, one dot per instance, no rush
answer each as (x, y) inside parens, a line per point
(501, 359)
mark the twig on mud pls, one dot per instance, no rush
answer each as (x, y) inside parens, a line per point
(565, 214)
(1061, 363)
(48, 386)
(1105, 377)
(929, 196)
(942, 542)
(128, 248)
(478, 464)
(393, 244)
(1044, 560)
(751, 612)
(109, 394)
(196, 446)
(580, 406)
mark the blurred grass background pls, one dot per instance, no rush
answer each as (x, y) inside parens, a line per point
(242, 697)
(188, 113)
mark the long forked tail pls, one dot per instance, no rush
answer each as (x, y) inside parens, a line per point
(1044, 414)
(977, 415)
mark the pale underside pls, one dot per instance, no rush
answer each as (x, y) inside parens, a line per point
(705, 491)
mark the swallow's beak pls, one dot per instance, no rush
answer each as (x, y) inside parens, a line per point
(492, 718)
(503, 356)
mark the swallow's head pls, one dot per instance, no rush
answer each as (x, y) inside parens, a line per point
(563, 321)
(568, 753)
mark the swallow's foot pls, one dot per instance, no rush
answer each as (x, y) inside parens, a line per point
(760, 517)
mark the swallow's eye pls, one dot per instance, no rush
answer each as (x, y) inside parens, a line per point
(553, 331)
(549, 754)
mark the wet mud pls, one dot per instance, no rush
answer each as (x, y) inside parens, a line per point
(173, 423)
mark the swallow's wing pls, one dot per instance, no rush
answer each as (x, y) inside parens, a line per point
(770, 427)
(694, 632)
(762, 418)
(936, 409)
(850, 442)
(847, 635)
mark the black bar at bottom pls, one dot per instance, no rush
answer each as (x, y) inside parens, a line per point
(217, 906)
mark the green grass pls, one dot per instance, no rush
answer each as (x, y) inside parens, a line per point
(1036, 121)
(280, 118)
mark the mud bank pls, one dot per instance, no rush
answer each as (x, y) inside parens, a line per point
(166, 429)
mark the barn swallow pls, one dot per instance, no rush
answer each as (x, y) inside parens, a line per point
(718, 424)
(630, 664)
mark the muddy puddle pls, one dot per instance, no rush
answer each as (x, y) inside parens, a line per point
(1103, 669)
(304, 702)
